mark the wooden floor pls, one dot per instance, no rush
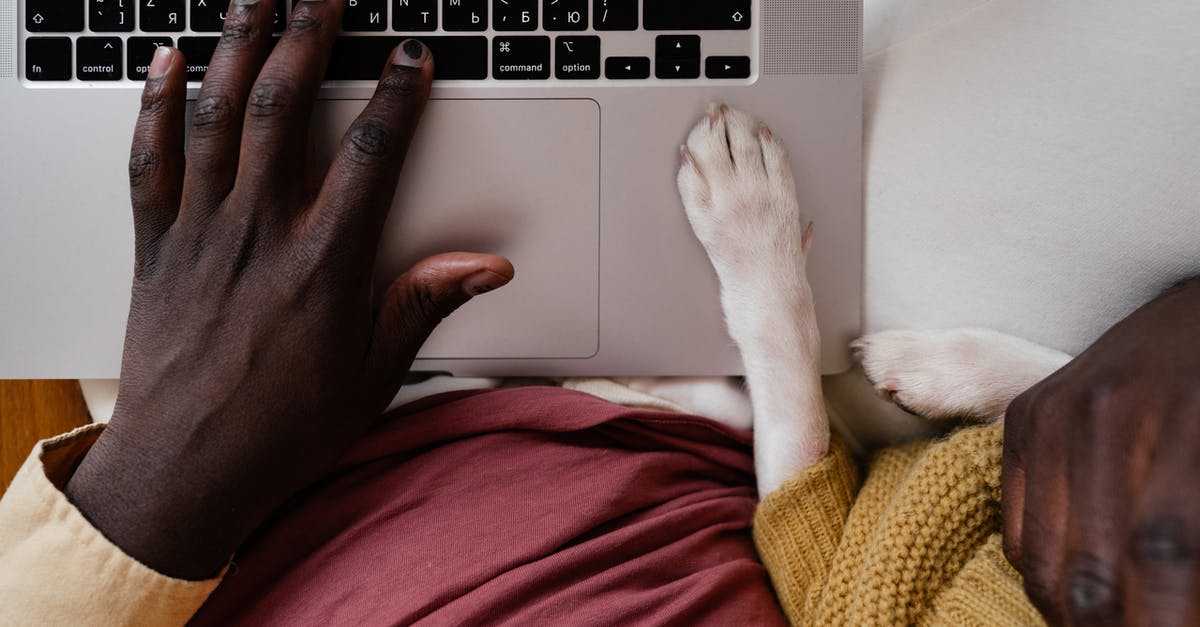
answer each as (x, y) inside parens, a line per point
(31, 411)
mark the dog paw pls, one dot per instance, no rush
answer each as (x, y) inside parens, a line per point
(737, 187)
(958, 373)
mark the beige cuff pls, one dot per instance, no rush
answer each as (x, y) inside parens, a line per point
(56, 569)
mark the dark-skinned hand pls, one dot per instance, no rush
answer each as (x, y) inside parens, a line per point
(255, 351)
(1101, 477)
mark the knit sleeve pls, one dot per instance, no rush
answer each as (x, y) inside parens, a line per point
(56, 569)
(797, 528)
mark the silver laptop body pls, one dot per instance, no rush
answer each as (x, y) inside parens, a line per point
(558, 155)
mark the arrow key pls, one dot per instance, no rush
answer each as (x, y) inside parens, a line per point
(98, 59)
(727, 67)
(618, 68)
(676, 68)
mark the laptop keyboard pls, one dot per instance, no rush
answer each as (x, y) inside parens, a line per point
(105, 41)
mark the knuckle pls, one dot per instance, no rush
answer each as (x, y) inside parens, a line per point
(213, 113)
(400, 85)
(1091, 588)
(153, 101)
(237, 33)
(268, 99)
(304, 22)
(142, 164)
(368, 141)
(1164, 541)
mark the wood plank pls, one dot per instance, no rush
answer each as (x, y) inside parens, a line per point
(31, 411)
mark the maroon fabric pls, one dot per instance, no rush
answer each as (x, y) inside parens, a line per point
(527, 506)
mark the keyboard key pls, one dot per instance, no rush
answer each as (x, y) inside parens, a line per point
(54, 16)
(198, 51)
(577, 58)
(515, 14)
(362, 58)
(677, 46)
(565, 15)
(110, 16)
(627, 67)
(677, 56)
(414, 15)
(697, 15)
(161, 15)
(139, 51)
(727, 67)
(98, 58)
(48, 58)
(460, 15)
(616, 14)
(516, 58)
(365, 15)
(208, 16)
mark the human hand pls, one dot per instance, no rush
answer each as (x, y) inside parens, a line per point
(255, 353)
(1100, 492)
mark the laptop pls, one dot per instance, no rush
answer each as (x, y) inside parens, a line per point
(552, 138)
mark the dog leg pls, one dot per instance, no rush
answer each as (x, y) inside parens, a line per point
(737, 187)
(957, 373)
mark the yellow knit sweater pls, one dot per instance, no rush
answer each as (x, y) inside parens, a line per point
(918, 543)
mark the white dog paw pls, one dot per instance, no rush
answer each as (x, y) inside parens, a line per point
(958, 373)
(737, 187)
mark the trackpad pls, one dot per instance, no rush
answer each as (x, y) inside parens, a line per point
(519, 178)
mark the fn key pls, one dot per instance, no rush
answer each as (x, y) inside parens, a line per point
(48, 59)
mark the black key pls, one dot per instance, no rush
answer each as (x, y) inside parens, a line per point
(53, 16)
(110, 16)
(693, 15)
(98, 58)
(565, 15)
(627, 67)
(139, 51)
(727, 67)
(615, 14)
(415, 15)
(161, 15)
(677, 46)
(198, 51)
(208, 16)
(577, 58)
(362, 58)
(464, 15)
(365, 15)
(515, 14)
(48, 58)
(517, 58)
(677, 56)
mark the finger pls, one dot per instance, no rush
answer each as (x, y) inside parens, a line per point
(1044, 520)
(280, 103)
(1162, 574)
(361, 181)
(216, 132)
(156, 161)
(1012, 475)
(1098, 477)
(417, 302)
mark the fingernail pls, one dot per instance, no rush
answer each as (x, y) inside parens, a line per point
(765, 132)
(483, 282)
(411, 54)
(160, 63)
(684, 154)
(714, 113)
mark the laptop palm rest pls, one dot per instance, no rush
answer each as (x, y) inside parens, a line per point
(519, 178)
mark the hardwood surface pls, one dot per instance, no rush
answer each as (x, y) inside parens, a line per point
(31, 411)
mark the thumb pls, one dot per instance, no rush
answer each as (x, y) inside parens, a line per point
(418, 301)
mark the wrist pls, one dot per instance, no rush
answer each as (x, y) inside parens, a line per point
(149, 504)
